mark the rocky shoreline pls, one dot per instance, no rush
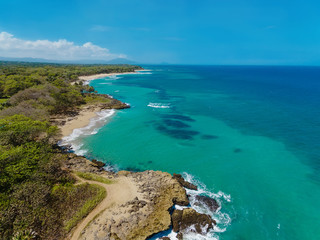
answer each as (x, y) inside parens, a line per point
(150, 210)
(146, 204)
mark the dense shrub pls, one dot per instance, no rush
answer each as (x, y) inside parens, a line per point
(19, 129)
(28, 109)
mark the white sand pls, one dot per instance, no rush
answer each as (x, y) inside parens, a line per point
(80, 121)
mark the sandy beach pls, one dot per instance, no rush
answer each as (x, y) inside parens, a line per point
(87, 113)
(102, 75)
(79, 121)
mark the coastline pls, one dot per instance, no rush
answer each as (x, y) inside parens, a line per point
(87, 113)
(152, 202)
(80, 121)
(102, 75)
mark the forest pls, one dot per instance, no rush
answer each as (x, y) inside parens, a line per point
(38, 198)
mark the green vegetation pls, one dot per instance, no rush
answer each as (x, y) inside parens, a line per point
(87, 207)
(40, 90)
(17, 77)
(90, 99)
(93, 177)
(38, 198)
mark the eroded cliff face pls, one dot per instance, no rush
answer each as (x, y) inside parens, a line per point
(138, 204)
(145, 214)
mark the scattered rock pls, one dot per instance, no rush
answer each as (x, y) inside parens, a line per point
(188, 218)
(98, 163)
(165, 238)
(80, 164)
(124, 173)
(146, 213)
(209, 202)
(180, 236)
(176, 219)
(184, 183)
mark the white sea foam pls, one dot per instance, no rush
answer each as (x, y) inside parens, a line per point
(113, 77)
(158, 105)
(144, 71)
(106, 83)
(74, 139)
(223, 220)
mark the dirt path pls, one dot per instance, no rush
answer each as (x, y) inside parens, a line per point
(119, 192)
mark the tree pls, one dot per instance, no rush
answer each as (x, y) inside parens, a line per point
(19, 129)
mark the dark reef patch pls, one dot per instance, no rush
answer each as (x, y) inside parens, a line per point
(237, 150)
(133, 169)
(179, 134)
(179, 117)
(209, 137)
(162, 94)
(175, 123)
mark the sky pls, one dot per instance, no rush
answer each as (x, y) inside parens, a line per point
(223, 32)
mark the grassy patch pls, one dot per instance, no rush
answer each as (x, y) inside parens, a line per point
(87, 207)
(93, 177)
(3, 100)
(96, 99)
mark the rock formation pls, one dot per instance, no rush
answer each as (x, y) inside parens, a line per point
(204, 201)
(146, 214)
(150, 196)
(184, 183)
(189, 219)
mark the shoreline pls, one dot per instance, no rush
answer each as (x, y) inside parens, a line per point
(87, 113)
(102, 75)
(82, 120)
(137, 212)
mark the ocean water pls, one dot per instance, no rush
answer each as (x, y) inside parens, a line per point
(249, 136)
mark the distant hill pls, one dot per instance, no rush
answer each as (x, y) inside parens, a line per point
(42, 60)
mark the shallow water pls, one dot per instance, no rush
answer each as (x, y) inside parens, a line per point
(248, 135)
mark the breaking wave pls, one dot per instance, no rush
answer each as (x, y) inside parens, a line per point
(76, 137)
(222, 219)
(158, 105)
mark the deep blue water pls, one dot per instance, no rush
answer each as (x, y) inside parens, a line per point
(250, 134)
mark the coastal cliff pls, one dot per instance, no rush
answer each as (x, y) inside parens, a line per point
(139, 205)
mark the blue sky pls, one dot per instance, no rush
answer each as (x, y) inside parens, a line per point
(156, 31)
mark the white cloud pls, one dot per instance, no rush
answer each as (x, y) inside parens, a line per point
(55, 50)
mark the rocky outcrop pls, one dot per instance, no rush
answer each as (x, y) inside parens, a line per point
(114, 104)
(204, 201)
(184, 183)
(146, 214)
(190, 220)
(98, 163)
(180, 236)
(148, 210)
(111, 104)
(80, 164)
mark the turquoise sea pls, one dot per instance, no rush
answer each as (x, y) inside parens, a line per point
(248, 135)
